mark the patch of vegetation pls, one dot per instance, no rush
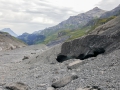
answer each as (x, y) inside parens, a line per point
(76, 33)
(98, 22)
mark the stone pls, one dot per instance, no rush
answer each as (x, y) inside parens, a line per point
(64, 81)
(89, 88)
(17, 86)
(41, 85)
(50, 88)
(82, 89)
(25, 57)
(75, 64)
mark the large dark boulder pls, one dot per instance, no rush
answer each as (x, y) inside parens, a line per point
(86, 47)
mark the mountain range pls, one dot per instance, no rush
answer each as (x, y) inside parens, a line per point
(74, 22)
(74, 26)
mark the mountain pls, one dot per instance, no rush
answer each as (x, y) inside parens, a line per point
(105, 17)
(31, 39)
(114, 12)
(8, 42)
(74, 21)
(65, 30)
(8, 30)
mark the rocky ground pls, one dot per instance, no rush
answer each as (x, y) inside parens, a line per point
(36, 68)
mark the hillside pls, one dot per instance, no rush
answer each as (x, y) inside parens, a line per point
(8, 42)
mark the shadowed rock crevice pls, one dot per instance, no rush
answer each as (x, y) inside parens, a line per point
(61, 58)
(90, 53)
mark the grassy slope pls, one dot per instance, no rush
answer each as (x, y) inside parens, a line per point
(79, 32)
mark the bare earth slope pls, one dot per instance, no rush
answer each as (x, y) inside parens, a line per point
(8, 42)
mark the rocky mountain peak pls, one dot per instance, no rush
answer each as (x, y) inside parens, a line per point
(96, 8)
(95, 12)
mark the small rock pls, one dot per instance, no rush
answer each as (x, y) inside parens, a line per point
(2, 84)
(81, 89)
(1, 89)
(33, 53)
(89, 88)
(41, 85)
(17, 86)
(75, 64)
(50, 88)
(25, 57)
(64, 81)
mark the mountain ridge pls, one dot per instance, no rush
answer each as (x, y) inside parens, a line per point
(75, 21)
(113, 12)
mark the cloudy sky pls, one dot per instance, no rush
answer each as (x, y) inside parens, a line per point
(32, 15)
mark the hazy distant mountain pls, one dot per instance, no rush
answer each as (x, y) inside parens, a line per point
(37, 32)
(31, 39)
(114, 12)
(8, 30)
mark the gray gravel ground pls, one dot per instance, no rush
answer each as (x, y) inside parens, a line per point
(41, 69)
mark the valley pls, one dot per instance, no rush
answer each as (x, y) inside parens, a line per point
(80, 53)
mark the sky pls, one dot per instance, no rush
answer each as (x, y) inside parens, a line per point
(33, 15)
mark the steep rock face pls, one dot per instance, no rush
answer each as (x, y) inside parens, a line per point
(7, 42)
(107, 40)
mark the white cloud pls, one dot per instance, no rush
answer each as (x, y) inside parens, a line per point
(108, 4)
(31, 15)
(42, 20)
